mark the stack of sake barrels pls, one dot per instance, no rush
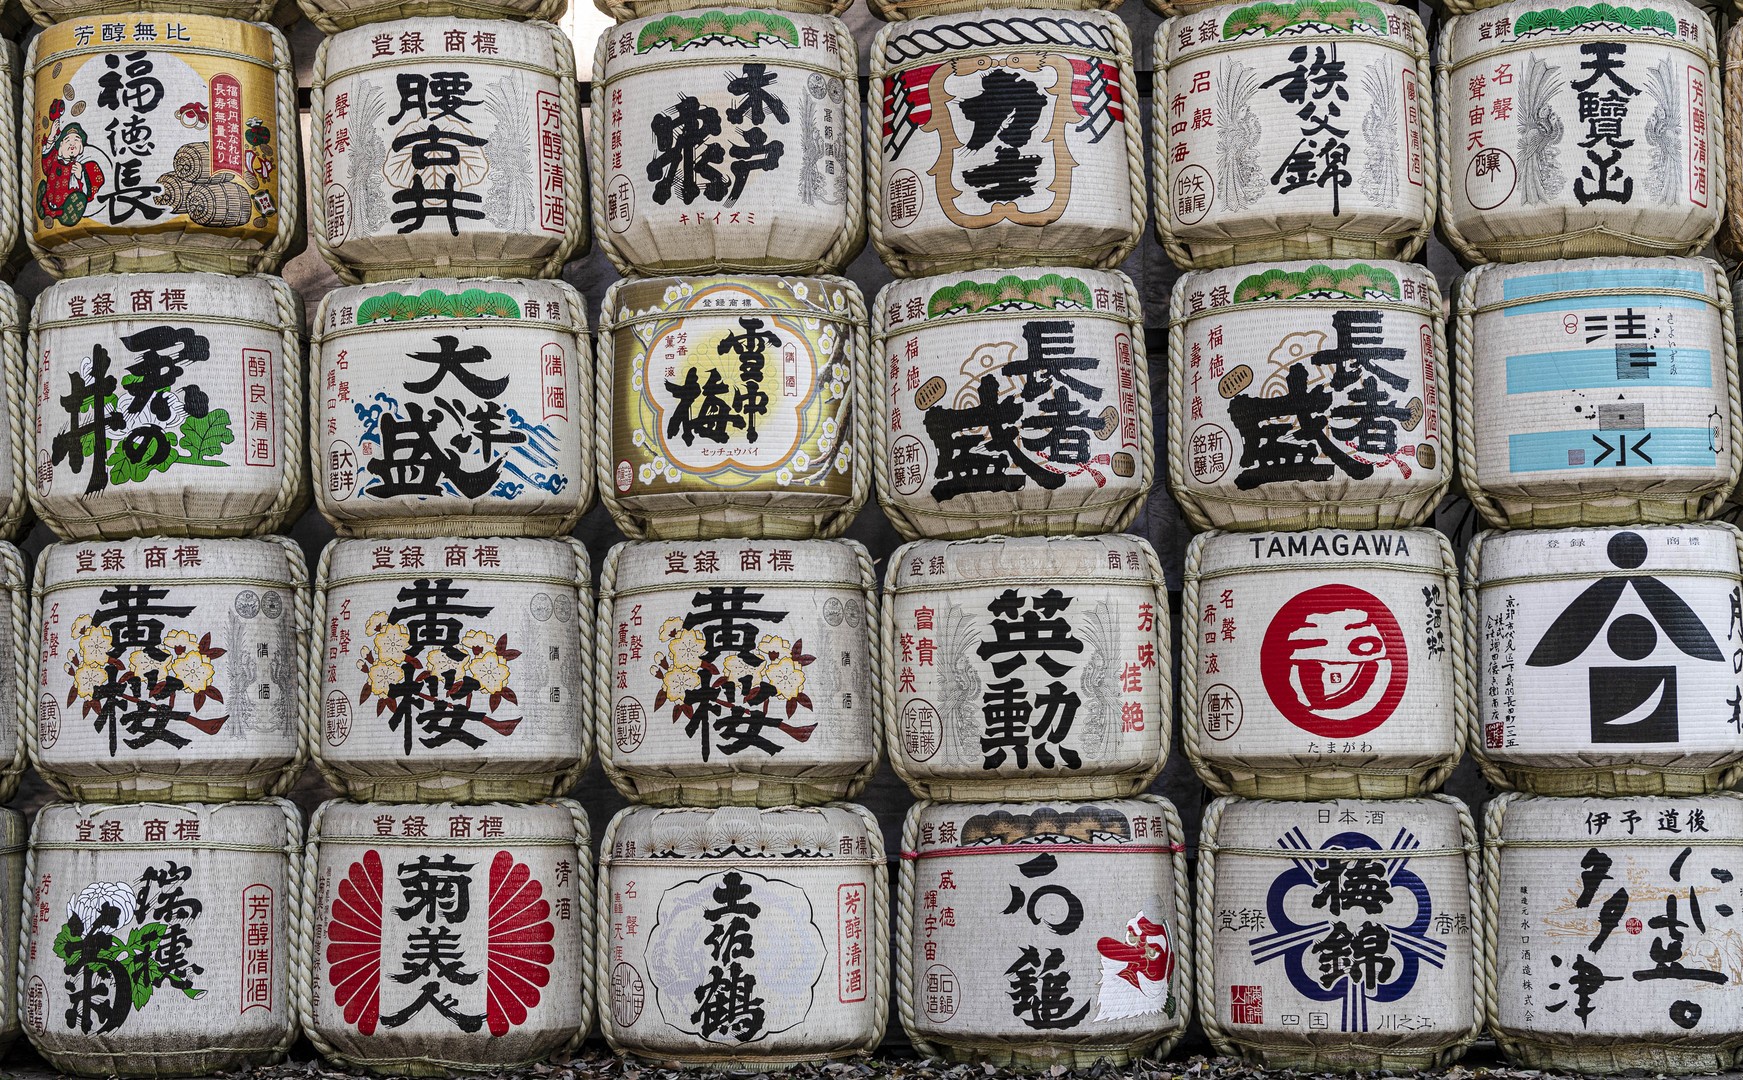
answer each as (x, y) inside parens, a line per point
(163, 685)
(1296, 172)
(743, 905)
(1026, 660)
(1583, 172)
(453, 455)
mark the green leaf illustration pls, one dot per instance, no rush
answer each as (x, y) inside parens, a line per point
(204, 437)
(122, 470)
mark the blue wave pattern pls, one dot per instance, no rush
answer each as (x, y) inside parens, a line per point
(529, 464)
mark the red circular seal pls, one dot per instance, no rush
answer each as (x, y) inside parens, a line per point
(1334, 661)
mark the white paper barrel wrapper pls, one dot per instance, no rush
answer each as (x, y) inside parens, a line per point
(1297, 130)
(12, 854)
(1037, 934)
(167, 403)
(966, 446)
(740, 938)
(1526, 179)
(1308, 394)
(1611, 924)
(1598, 391)
(158, 936)
(1063, 182)
(733, 407)
(1323, 664)
(730, 142)
(332, 16)
(492, 906)
(445, 145)
(1606, 660)
(455, 668)
(1026, 668)
(16, 418)
(449, 406)
(738, 672)
(175, 151)
(1341, 935)
(168, 668)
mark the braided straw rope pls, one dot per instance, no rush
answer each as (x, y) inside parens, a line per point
(926, 518)
(903, 945)
(1198, 505)
(303, 958)
(316, 676)
(464, 520)
(308, 694)
(194, 248)
(718, 515)
(12, 225)
(1319, 243)
(589, 988)
(20, 412)
(848, 239)
(1345, 1053)
(602, 928)
(1102, 256)
(24, 634)
(566, 780)
(604, 654)
(624, 10)
(332, 16)
(167, 1064)
(278, 12)
(1611, 505)
(1107, 783)
(1732, 89)
(1594, 1054)
(14, 852)
(1622, 778)
(356, 271)
(903, 10)
(1595, 240)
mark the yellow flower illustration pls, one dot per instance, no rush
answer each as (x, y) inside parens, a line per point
(90, 643)
(392, 642)
(478, 641)
(687, 648)
(437, 661)
(671, 628)
(382, 676)
(140, 662)
(194, 671)
(736, 669)
(180, 640)
(786, 676)
(681, 680)
(375, 624)
(490, 670)
(773, 646)
(87, 679)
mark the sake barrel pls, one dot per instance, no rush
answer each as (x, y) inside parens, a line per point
(1607, 658)
(447, 146)
(158, 935)
(1354, 669)
(1293, 131)
(1057, 181)
(742, 671)
(743, 939)
(170, 668)
(1360, 912)
(751, 428)
(1579, 131)
(966, 446)
(453, 407)
(332, 16)
(1610, 923)
(463, 660)
(168, 403)
(202, 172)
(282, 13)
(1026, 668)
(1599, 391)
(1340, 423)
(1042, 934)
(12, 855)
(15, 419)
(491, 905)
(775, 189)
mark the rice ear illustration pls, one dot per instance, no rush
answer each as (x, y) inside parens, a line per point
(1380, 133)
(1664, 134)
(1540, 174)
(1239, 176)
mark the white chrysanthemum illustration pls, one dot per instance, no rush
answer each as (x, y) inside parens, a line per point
(88, 906)
(800, 290)
(646, 473)
(784, 477)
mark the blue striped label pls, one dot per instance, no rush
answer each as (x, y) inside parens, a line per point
(1581, 369)
(1541, 451)
(1570, 280)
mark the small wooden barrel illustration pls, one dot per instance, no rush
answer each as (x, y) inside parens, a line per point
(775, 189)
(464, 660)
(1599, 391)
(282, 13)
(1006, 137)
(332, 16)
(167, 403)
(158, 935)
(489, 906)
(1610, 925)
(733, 407)
(1341, 423)
(743, 939)
(1298, 130)
(453, 407)
(447, 146)
(1341, 691)
(1341, 935)
(1579, 131)
(177, 151)
(741, 672)
(168, 668)
(1607, 659)
(12, 855)
(966, 446)
(1037, 934)
(1026, 668)
(16, 418)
